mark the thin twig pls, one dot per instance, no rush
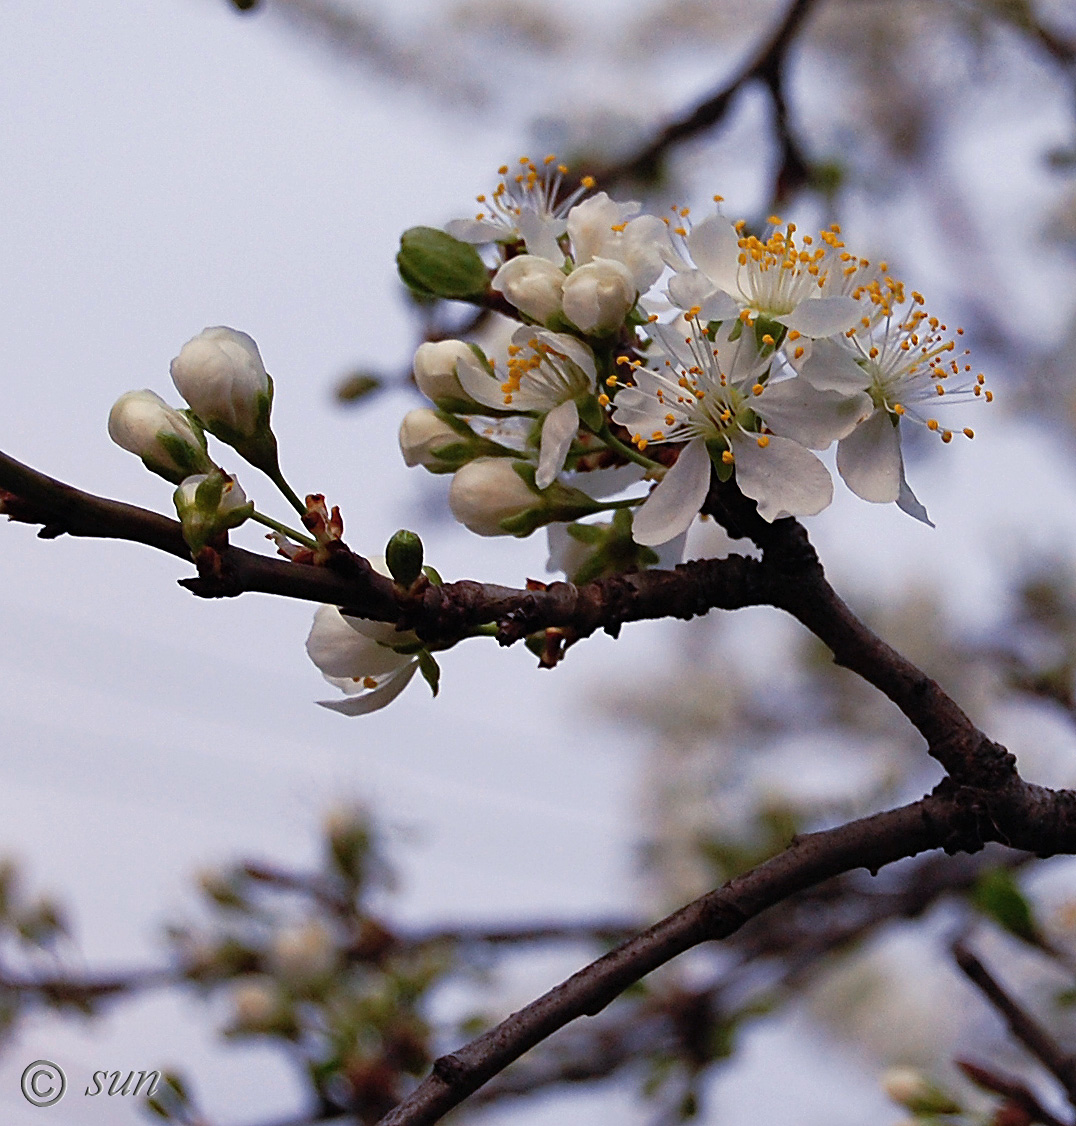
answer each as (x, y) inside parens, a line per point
(1039, 1042)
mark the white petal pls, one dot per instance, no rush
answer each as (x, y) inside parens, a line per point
(478, 383)
(476, 230)
(558, 430)
(376, 698)
(672, 506)
(715, 248)
(783, 478)
(341, 651)
(869, 459)
(794, 409)
(907, 502)
(689, 288)
(540, 235)
(822, 316)
(830, 367)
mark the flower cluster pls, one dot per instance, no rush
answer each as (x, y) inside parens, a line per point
(772, 346)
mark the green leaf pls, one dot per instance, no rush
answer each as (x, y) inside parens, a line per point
(430, 669)
(998, 896)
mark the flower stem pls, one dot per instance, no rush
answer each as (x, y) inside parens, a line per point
(625, 450)
(283, 529)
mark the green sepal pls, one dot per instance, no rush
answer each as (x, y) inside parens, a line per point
(765, 326)
(403, 556)
(430, 669)
(715, 447)
(433, 263)
(557, 503)
(535, 642)
(591, 414)
(190, 459)
(432, 574)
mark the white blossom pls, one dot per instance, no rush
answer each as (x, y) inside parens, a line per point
(547, 373)
(778, 277)
(717, 392)
(526, 205)
(357, 656)
(903, 361)
(221, 375)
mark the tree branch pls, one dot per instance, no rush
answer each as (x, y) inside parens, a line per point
(951, 818)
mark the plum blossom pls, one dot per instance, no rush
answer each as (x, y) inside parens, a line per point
(526, 205)
(902, 360)
(357, 655)
(548, 373)
(800, 284)
(720, 395)
(354, 654)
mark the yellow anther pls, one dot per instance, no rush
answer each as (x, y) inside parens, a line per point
(763, 441)
(774, 220)
(369, 682)
(588, 182)
(968, 432)
(550, 158)
(798, 353)
(726, 457)
(757, 389)
(603, 400)
(898, 409)
(947, 436)
(767, 339)
(932, 424)
(670, 419)
(658, 436)
(719, 199)
(989, 396)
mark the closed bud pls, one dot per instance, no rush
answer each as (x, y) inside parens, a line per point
(598, 296)
(435, 264)
(221, 375)
(488, 491)
(495, 496)
(532, 284)
(429, 440)
(403, 555)
(209, 505)
(913, 1091)
(435, 370)
(166, 440)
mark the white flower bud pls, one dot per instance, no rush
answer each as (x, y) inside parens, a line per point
(435, 369)
(163, 437)
(488, 491)
(221, 375)
(598, 296)
(303, 953)
(912, 1090)
(533, 285)
(422, 432)
(256, 1005)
